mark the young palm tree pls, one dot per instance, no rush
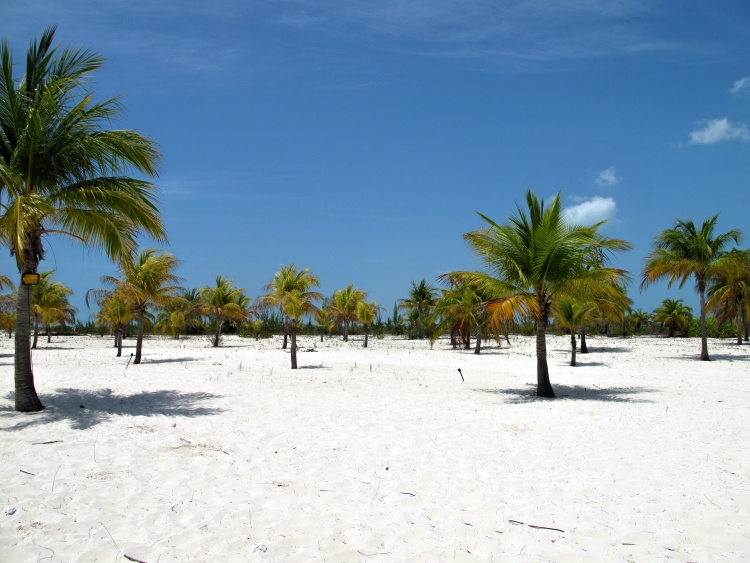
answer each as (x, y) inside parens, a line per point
(674, 314)
(729, 290)
(296, 305)
(421, 300)
(685, 252)
(535, 258)
(224, 302)
(343, 306)
(51, 305)
(115, 311)
(458, 308)
(571, 314)
(323, 320)
(366, 313)
(286, 280)
(62, 171)
(148, 280)
(638, 317)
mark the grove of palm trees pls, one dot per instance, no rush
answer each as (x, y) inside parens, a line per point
(423, 429)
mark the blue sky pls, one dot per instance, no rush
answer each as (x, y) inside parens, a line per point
(358, 138)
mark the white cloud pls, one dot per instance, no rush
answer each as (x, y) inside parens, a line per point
(607, 178)
(592, 211)
(741, 86)
(717, 130)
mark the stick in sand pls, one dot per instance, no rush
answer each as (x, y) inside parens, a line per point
(130, 358)
(462, 375)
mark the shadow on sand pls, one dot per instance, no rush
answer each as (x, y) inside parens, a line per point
(573, 392)
(101, 404)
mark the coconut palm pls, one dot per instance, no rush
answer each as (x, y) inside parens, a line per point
(224, 302)
(63, 172)
(673, 314)
(146, 280)
(297, 304)
(571, 314)
(729, 289)
(51, 305)
(638, 317)
(366, 313)
(421, 300)
(323, 320)
(537, 257)
(458, 309)
(343, 306)
(286, 280)
(684, 252)
(115, 311)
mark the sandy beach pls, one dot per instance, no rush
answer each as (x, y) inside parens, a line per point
(377, 454)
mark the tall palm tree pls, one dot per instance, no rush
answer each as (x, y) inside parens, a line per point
(51, 304)
(684, 252)
(729, 289)
(146, 280)
(421, 300)
(673, 314)
(571, 314)
(286, 280)
(366, 313)
(343, 306)
(63, 172)
(297, 304)
(224, 302)
(537, 257)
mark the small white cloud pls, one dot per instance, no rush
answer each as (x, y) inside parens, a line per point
(595, 210)
(741, 86)
(717, 130)
(607, 178)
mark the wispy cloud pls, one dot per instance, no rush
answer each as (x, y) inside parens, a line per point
(591, 211)
(718, 130)
(741, 86)
(607, 178)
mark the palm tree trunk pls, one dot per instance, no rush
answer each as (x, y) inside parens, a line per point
(573, 347)
(584, 348)
(49, 334)
(286, 331)
(118, 341)
(704, 337)
(740, 320)
(293, 334)
(26, 399)
(346, 331)
(139, 336)
(478, 336)
(36, 333)
(543, 385)
(367, 330)
(217, 332)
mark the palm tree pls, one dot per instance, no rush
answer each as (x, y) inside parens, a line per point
(224, 302)
(51, 304)
(323, 320)
(458, 308)
(297, 304)
(115, 311)
(343, 306)
(535, 258)
(63, 172)
(685, 252)
(673, 314)
(366, 313)
(729, 289)
(145, 280)
(571, 314)
(421, 300)
(638, 317)
(286, 280)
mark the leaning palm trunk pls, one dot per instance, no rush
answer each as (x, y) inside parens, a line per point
(543, 385)
(26, 398)
(704, 336)
(36, 333)
(478, 336)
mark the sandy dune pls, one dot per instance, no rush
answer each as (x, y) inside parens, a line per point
(379, 454)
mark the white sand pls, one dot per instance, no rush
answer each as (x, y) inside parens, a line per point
(379, 454)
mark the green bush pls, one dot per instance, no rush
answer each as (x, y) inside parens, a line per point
(724, 330)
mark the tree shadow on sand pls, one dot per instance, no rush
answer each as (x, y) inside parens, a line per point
(99, 405)
(573, 392)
